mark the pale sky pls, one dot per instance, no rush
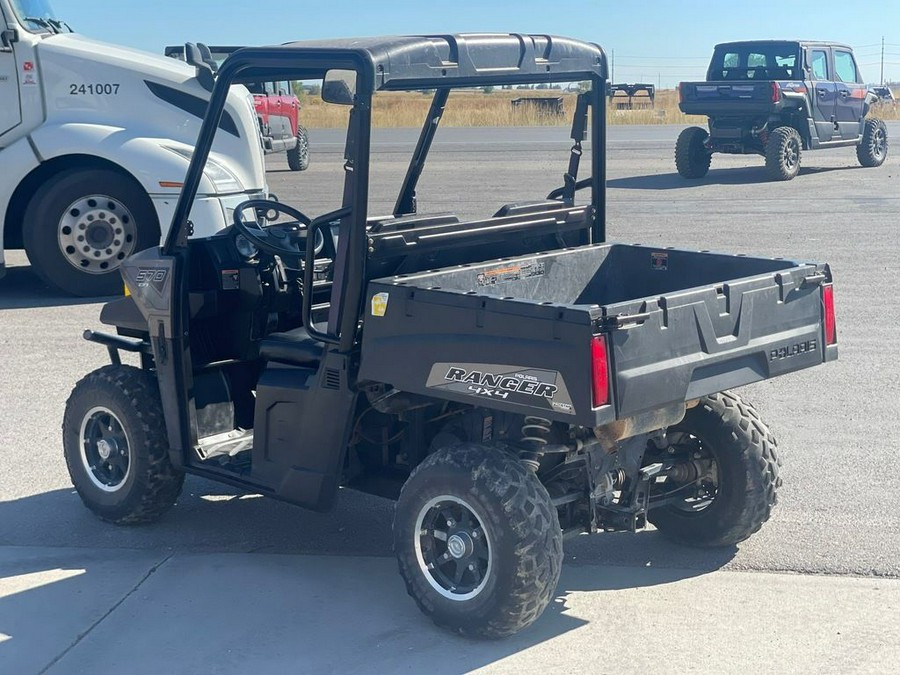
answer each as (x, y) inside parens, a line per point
(654, 41)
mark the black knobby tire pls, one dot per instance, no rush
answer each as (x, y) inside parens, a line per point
(82, 257)
(747, 468)
(151, 485)
(298, 156)
(783, 151)
(692, 158)
(523, 538)
(873, 149)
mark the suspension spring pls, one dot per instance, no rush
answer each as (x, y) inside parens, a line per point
(535, 436)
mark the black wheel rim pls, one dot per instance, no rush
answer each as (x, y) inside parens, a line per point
(453, 548)
(791, 154)
(879, 143)
(697, 489)
(105, 452)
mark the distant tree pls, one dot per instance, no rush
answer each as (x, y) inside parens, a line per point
(542, 86)
(489, 89)
(298, 89)
(314, 89)
(524, 86)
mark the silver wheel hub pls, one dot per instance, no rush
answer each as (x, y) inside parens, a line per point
(96, 233)
(460, 545)
(104, 449)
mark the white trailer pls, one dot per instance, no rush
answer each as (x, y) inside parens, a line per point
(95, 140)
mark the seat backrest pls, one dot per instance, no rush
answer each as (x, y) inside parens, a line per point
(391, 224)
(458, 243)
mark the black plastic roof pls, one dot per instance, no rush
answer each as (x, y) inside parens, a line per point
(418, 61)
(804, 43)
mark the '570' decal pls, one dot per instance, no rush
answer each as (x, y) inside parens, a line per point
(98, 89)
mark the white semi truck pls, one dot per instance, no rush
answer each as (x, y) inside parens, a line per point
(95, 140)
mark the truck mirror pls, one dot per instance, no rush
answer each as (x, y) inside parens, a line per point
(8, 37)
(339, 87)
(205, 74)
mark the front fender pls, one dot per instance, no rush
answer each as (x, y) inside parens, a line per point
(147, 159)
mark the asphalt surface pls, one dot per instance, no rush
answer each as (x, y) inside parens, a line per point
(836, 425)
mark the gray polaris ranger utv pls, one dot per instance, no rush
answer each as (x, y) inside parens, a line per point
(509, 380)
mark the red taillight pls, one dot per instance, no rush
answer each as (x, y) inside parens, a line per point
(600, 371)
(776, 92)
(828, 302)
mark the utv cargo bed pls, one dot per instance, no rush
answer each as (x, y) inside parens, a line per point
(677, 325)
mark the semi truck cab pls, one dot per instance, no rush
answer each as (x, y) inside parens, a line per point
(95, 140)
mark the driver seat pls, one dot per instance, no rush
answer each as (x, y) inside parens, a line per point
(295, 347)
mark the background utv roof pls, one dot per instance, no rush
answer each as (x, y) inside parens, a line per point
(427, 61)
(805, 43)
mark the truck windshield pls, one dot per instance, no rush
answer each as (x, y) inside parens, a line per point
(755, 61)
(37, 16)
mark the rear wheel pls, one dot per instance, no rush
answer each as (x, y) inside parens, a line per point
(81, 225)
(873, 149)
(478, 541)
(298, 156)
(116, 450)
(783, 153)
(692, 158)
(732, 484)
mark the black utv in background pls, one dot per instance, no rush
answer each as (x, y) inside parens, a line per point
(509, 379)
(777, 99)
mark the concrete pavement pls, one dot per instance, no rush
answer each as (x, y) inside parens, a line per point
(111, 611)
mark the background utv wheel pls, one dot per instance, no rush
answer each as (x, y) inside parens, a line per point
(737, 463)
(114, 439)
(80, 226)
(478, 541)
(692, 159)
(783, 153)
(873, 149)
(298, 156)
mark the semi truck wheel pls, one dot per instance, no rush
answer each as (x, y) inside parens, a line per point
(783, 153)
(692, 159)
(116, 450)
(736, 473)
(80, 226)
(478, 541)
(873, 149)
(298, 156)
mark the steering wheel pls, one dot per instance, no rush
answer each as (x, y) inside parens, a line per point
(286, 238)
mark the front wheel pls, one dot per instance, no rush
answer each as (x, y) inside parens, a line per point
(783, 153)
(298, 156)
(873, 149)
(115, 445)
(81, 224)
(731, 479)
(692, 158)
(478, 541)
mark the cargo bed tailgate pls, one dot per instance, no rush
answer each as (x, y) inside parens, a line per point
(687, 344)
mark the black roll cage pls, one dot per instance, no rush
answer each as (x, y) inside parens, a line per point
(302, 61)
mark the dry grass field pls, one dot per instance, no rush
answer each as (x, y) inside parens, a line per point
(478, 109)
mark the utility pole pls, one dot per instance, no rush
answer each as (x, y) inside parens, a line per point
(882, 60)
